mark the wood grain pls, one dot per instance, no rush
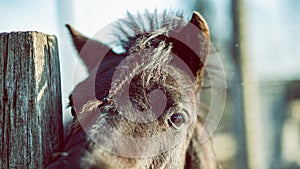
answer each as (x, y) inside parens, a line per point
(31, 128)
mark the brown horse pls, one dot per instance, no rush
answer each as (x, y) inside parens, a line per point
(140, 108)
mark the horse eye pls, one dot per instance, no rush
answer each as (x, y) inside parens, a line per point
(177, 120)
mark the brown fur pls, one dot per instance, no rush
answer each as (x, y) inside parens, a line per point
(155, 47)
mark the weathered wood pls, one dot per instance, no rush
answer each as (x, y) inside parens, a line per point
(30, 100)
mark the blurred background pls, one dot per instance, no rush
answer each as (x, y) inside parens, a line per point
(257, 41)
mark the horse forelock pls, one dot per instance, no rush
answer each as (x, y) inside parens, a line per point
(139, 30)
(147, 47)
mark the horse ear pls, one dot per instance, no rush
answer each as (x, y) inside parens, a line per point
(193, 47)
(89, 50)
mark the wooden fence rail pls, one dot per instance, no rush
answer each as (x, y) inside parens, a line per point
(31, 126)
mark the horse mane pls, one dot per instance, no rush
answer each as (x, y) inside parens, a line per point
(132, 31)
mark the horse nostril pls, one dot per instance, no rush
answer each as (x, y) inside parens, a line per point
(177, 120)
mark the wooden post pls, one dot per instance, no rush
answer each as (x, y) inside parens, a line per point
(253, 119)
(239, 126)
(31, 128)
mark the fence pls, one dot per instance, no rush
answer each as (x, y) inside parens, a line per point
(31, 127)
